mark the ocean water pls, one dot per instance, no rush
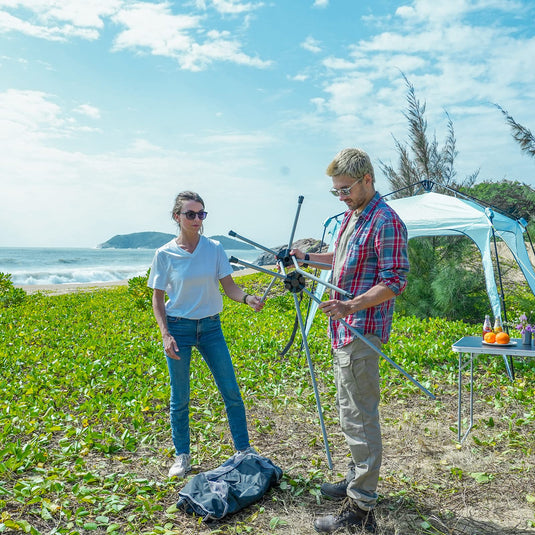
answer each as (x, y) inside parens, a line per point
(62, 265)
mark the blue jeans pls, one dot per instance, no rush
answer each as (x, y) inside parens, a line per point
(206, 335)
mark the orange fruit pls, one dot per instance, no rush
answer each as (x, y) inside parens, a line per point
(502, 338)
(490, 338)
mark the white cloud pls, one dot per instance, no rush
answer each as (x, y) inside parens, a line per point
(218, 49)
(145, 26)
(53, 33)
(319, 103)
(80, 13)
(320, 3)
(29, 113)
(349, 95)
(153, 26)
(143, 146)
(88, 110)
(229, 7)
(156, 28)
(432, 12)
(449, 58)
(312, 45)
(338, 63)
(54, 20)
(234, 7)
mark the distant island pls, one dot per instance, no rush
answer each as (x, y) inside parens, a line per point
(153, 240)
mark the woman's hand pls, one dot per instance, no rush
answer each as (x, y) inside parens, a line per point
(170, 346)
(233, 291)
(255, 302)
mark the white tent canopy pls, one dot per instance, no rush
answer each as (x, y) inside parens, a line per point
(434, 214)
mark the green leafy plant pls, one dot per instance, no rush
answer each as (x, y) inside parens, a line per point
(520, 133)
(140, 292)
(9, 295)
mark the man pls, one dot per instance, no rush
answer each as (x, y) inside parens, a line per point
(370, 261)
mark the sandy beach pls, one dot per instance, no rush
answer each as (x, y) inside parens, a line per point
(70, 287)
(57, 289)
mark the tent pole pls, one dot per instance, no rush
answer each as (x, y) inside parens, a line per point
(530, 242)
(377, 350)
(314, 384)
(426, 184)
(509, 365)
(316, 273)
(502, 295)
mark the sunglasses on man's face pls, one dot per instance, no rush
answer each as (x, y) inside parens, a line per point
(190, 214)
(344, 191)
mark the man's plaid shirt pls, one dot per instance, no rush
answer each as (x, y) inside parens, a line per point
(377, 253)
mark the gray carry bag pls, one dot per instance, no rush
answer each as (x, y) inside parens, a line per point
(238, 482)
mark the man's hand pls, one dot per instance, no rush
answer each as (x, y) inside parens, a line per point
(336, 309)
(298, 254)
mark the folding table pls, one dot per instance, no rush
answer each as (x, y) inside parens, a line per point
(474, 345)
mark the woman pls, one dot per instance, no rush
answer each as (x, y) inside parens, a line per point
(189, 269)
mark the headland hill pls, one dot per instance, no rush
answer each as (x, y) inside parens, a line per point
(153, 240)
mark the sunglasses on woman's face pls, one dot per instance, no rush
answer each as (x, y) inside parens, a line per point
(190, 214)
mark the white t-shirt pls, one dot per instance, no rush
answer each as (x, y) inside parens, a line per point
(191, 280)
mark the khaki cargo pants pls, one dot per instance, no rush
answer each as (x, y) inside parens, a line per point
(356, 375)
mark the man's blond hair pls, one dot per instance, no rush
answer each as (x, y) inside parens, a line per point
(352, 162)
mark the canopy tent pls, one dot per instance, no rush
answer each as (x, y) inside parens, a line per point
(435, 214)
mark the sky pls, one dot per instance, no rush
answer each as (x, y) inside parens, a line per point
(109, 108)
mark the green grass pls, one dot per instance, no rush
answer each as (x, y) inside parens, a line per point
(84, 433)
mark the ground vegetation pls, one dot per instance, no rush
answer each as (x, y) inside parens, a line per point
(85, 442)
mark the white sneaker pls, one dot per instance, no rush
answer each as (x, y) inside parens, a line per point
(181, 466)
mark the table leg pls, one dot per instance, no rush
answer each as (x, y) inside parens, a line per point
(461, 437)
(471, 396)
(459, 396)
(509, 366)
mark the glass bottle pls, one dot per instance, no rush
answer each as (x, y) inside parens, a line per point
(498, 325)
(487, 327)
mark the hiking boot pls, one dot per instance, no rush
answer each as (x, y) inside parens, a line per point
(181, 466)
(350, 517)
(335, 491)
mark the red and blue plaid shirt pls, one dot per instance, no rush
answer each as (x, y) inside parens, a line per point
(377, 253)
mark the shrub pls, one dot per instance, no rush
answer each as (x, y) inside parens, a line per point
(445, 280)
(140, 292)
(9, 295)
